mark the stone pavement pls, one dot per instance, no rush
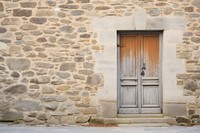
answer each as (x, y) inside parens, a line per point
(81, 129)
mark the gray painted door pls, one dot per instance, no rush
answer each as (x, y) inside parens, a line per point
(139, 85)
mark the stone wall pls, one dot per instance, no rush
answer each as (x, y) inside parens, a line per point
(48, 52)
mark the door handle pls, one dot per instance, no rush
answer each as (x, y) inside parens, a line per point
(143, 68)
(142, 73)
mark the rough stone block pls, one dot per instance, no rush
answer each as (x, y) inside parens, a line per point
(15, 74)
(168, 10)
(65, 41)
(11, 5)
(72, 92)
(183, 120)
(195, 39)
(42, 116)
(10, 21)
(22, 12)
(79, 59)
(154, 12)
(51, 3)
(67, 6)
(82, 119)
(58, 82)
(89, 111)
(28, 4)
(49, 31)
(47, 90)
(76, 76)
(41, 80)
(77, 12)
(68, 67)
(102, 8)
(189, 9)
(68, 120)
(26, 105)
(36, 33)
(82, 29)
(3, 30)
(2, 59)
(95, 80)
(28, 74)
(37, 20)
(16, 89)
(61, 14)
(51, 98)
(63, 88)
(191, 85)
(2, 41)
(44, 65)
(83, 1)
(41, 40)
(53, 120)
(14, 49)
(67, 29)
(86, 72)
(2, 68)
(51, 105)
(84, 52)
(1, 7)
(85, 36)
(196, 3)
(45, 12)
(4, 106)
(63, 75)
(11, 116)
(28, 27)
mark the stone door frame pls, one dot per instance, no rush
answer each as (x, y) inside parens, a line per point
(173, 28)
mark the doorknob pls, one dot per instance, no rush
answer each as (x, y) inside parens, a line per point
(143, 68)
(142, 73)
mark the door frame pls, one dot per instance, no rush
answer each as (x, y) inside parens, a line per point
(121, 32)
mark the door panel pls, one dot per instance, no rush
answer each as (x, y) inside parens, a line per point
(128, 94)
(150, 55)
(150, 96)
(150, 79)
(139, 88)
(129, 59)
(129, 56)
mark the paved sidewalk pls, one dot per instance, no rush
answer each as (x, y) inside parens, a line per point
(81, 129)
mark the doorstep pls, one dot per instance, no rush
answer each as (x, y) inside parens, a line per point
(135, 119)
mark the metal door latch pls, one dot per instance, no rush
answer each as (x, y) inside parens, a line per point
(144, 66)
(118, 45)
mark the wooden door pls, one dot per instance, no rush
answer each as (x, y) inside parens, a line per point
(139, 75)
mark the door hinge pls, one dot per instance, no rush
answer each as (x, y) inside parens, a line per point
(119, 45)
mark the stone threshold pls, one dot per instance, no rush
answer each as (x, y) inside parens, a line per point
(140, 115)
(134, 120)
